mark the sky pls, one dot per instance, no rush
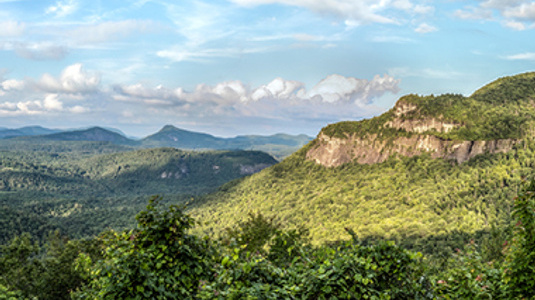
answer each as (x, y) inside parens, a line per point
(234, 67)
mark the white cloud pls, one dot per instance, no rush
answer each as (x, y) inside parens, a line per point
(425, 28)
(12, 84)
(62, 8)
(52, 103)
(522, 56)
(73, 79)
(522, 11)
(77, 109)
(11, 28)
(474, 13)
(278, 89)
(50, 95)
(514, 14)
(515, 25)
(233, 94)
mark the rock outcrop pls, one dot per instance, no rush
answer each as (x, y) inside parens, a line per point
(331, 151)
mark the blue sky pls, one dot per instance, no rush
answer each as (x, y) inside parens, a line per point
(247, 66)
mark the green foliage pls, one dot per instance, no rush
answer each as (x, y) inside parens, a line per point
(469, 276)
(84, 193)
(19, 266)
(520, 272)
(43, 272)
(350, 271)
(6, 294)
(158, 260)
(421, 203)
(253, 234)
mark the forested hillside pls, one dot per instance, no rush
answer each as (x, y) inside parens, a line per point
(85, 187)
(413, 198)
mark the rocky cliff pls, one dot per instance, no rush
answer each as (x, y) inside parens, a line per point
(333, 151)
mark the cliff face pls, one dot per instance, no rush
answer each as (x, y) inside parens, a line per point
(331, 151)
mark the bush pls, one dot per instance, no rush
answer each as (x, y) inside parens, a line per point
(158, 260)
(520, 265)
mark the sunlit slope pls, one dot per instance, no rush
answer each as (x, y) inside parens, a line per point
(406, 195)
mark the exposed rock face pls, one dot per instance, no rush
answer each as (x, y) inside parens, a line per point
(332, 151)
(401, 109)
(251, 169)
(421, 126)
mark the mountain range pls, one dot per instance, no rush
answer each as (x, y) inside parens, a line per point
(278, 145)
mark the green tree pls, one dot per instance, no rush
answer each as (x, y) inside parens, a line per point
(520, 266)
(158, 260)
(20, 268)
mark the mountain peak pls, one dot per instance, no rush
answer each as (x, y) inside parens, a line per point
(168, 127)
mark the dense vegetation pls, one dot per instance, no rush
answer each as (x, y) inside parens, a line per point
(500, 110)
(405, 199)
(259, 259)
(86, 187)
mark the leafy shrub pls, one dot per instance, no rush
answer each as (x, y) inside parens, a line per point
(520, 272)
(469, 276)
(158, 260)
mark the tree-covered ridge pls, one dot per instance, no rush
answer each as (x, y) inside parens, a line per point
(401, 198)
(85, 187)
(503, 109)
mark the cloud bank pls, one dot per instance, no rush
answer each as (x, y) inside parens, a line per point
(74, 90)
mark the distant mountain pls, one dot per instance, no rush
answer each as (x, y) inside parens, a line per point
(97, 134)
(170, 136)
(26, 131)
(441, 168)
(278, 145)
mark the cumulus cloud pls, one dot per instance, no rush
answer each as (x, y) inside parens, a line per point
(49, 104)
(62, 8)
(515, 14)
(425, 28)
(49, 94)
(74, 91)
(73, 79)
(278, 98)
(279, 89)
(360, 91)
(12, 84)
